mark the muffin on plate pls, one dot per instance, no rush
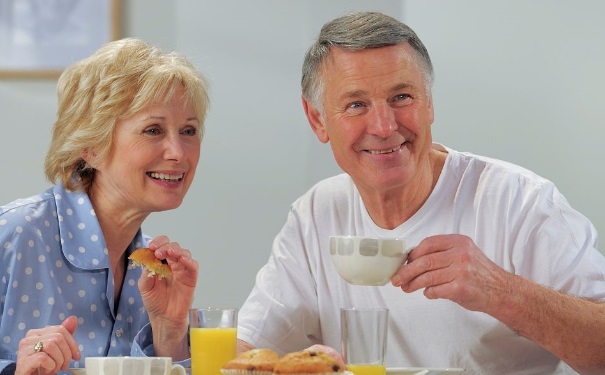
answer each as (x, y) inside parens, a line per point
(307, 362)
(252, 362)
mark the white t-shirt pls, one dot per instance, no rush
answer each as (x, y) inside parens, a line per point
(519, 220)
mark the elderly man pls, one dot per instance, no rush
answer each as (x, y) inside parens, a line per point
(505, 277)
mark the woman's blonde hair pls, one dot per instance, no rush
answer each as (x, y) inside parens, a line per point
(118, 80)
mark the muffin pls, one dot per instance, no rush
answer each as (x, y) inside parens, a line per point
(307, 362)
(144, 257)
(252, 362)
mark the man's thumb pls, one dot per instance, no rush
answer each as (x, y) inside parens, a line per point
(71, 323)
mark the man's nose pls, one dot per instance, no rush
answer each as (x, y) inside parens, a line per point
(381, 121)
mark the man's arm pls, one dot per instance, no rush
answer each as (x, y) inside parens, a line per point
(571, 328)
(452, 267)
(243, 346)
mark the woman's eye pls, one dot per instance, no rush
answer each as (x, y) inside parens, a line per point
(190, 131)
(152, 131)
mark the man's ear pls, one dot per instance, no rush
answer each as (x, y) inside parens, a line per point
(316, 121)
(431, 108)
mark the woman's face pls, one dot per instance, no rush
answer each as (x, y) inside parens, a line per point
(153, 159)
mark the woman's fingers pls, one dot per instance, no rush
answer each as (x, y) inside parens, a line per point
(48, 349)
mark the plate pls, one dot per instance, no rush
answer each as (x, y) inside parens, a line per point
(423, 371)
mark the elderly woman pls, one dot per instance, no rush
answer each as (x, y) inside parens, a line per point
(126, 143)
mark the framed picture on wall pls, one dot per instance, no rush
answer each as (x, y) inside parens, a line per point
(39, 38)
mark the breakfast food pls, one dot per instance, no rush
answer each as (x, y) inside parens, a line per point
(307, 362)
(144, 257)
(255, 361)
(268, 362)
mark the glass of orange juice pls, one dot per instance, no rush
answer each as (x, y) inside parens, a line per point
(213, 338)
(364, 339)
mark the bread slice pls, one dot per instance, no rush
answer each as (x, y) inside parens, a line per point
(144, 257)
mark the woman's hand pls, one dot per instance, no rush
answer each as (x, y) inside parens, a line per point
(168, 300)
(48, 350)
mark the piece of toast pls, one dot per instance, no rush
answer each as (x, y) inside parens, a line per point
(144, 257)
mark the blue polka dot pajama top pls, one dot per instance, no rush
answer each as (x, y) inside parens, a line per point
(54, 263)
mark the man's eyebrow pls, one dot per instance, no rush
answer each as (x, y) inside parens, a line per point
(353, 94)
(358, 93)
(403, 85)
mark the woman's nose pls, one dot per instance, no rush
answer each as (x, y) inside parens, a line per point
(174, 148)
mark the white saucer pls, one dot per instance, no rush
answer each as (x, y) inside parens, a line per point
(423, 371)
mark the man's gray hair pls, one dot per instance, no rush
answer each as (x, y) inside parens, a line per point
(354, 32)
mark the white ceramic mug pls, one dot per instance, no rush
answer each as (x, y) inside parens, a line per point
(132, 366)
(367, 260)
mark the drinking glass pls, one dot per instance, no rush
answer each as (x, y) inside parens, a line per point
(213, 339)
(364, 339)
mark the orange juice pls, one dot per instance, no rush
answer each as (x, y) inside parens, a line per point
(211, 348)
(363, 369)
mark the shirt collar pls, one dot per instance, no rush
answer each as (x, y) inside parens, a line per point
(80, 233)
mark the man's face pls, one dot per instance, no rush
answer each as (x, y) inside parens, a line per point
(377, 116)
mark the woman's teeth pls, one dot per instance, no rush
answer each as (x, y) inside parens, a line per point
(165, 177)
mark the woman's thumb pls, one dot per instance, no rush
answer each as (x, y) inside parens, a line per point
(70, 324)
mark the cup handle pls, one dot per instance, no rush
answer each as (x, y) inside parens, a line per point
(178, 370)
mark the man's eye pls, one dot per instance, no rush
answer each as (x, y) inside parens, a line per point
(356, 108)
(402, 99)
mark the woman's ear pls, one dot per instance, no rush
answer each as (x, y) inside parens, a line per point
(316, 121)
(89, 156)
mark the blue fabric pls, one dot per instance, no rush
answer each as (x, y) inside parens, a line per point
(54, 263)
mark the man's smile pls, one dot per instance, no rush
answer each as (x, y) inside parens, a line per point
(388, 151)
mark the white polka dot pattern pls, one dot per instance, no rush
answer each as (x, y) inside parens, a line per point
(54, 264)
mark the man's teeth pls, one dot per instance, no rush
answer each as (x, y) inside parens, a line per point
(377, 152)
(167, 177)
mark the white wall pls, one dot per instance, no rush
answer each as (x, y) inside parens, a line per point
(522, 81)
(259, 154)
(507, 86)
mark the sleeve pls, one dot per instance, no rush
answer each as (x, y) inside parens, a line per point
(561, 248)
(281, 312)
(142, 346)
(8, 367)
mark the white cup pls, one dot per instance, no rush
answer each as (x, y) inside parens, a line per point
(367, 260)
(132, 366)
